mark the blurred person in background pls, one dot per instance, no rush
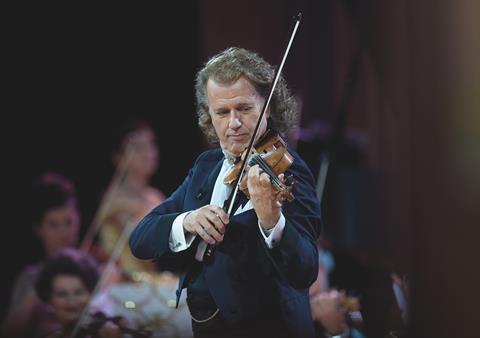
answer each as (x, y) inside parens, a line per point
(137, 289)
(130, 194)
(65, 284)
(56, 223)
(335, 313)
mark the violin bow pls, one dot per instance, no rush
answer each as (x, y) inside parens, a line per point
(278, 72)
(117, 250)
(105, 203)
(96, 225)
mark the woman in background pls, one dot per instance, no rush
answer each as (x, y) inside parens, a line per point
(130, 194)
(65, 284)
(56, 222)
(140, 292)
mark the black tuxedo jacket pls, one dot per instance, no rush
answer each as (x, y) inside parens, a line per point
(244, 276)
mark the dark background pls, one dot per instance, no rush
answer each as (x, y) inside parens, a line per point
(402, 187)
(74, 77)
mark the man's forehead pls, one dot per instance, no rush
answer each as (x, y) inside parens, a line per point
(240, 83)
(239, 90)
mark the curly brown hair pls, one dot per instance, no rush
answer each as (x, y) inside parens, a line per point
(71, 262)
(227, 67)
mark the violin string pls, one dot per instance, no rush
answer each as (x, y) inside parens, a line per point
(266, 168)
(257, 159)
(106, 202)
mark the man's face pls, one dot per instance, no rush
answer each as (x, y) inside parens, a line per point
(234, 109)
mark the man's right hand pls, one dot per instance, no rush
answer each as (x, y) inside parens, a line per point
(208, 222)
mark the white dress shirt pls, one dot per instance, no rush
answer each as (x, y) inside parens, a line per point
(179, 240)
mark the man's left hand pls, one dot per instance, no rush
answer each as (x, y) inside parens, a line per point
(266, 200)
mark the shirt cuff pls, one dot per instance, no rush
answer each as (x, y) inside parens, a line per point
(178, 240)
(273, 235)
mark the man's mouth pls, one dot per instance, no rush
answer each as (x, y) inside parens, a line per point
(237, 137)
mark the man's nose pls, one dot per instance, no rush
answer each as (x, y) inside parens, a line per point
(234, 121)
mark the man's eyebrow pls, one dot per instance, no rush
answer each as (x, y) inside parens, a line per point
(220, 110)
(244, 104)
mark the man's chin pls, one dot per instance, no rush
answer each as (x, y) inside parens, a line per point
(235, 150)
(232, 154)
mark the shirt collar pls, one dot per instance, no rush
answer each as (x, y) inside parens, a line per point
(229, 158)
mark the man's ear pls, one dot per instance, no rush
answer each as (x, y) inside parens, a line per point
(268, 114)
(268, 117)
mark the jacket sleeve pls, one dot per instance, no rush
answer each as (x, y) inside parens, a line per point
(295, 257)
(150, 238)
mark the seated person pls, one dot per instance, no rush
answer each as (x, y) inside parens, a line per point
(382, 293)
(65, 284)
(56, 222)
(334, 313)
(130, 195)
(137, 290)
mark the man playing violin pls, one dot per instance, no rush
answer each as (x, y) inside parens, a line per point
(255, 283)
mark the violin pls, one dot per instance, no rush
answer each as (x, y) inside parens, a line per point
(98, 320)
(271, 155)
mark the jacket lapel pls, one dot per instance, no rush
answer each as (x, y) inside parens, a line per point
(204, 193)
(240, 201)
(203, 196)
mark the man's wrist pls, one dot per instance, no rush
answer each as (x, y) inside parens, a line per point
(179, 239)
(269, 225)
(274, 235)
(185, 228)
